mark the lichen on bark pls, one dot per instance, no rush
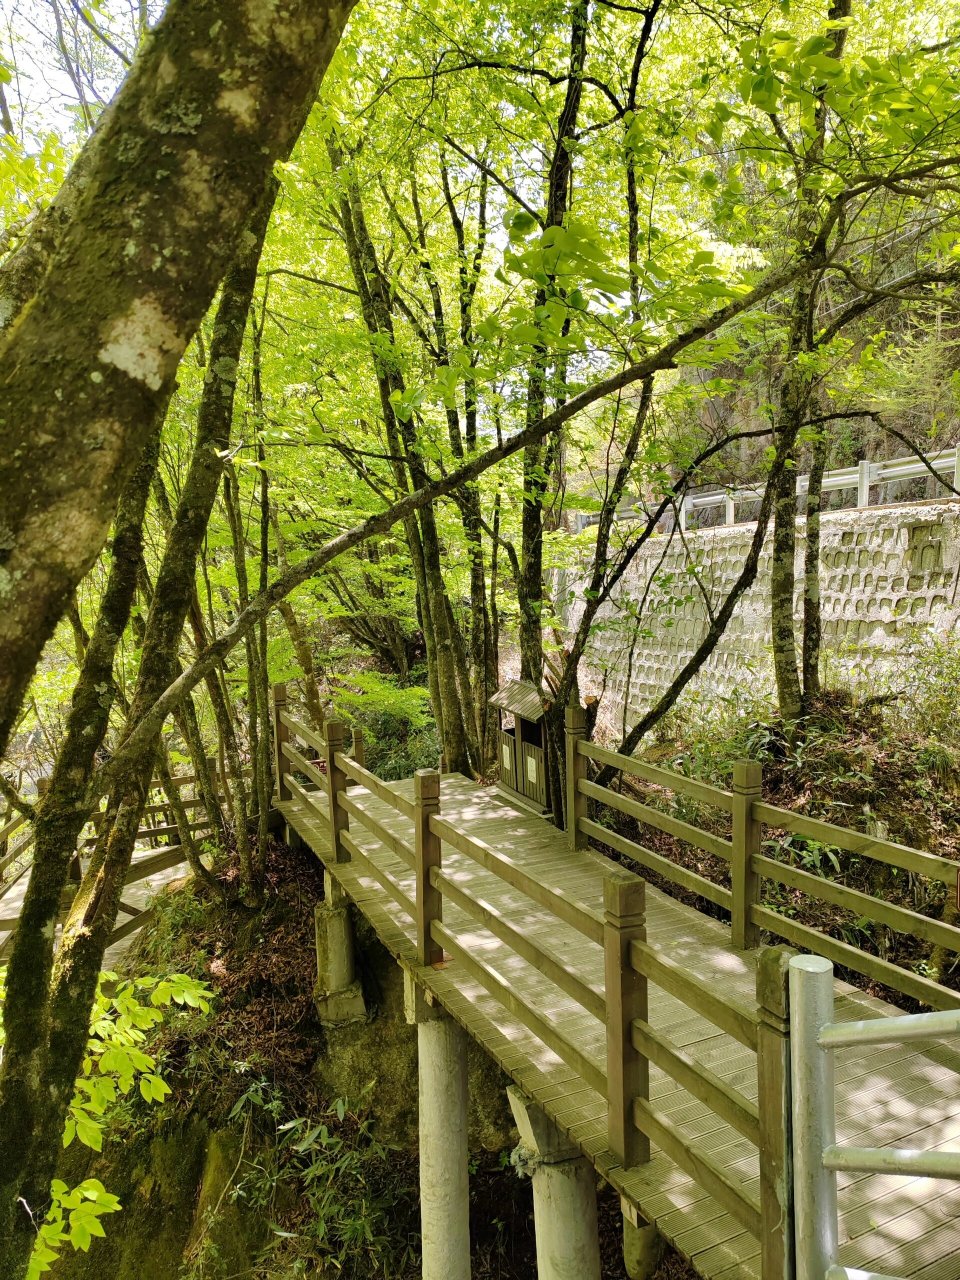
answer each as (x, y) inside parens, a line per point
(111, 288)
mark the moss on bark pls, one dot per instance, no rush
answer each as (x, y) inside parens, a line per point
(169, 180)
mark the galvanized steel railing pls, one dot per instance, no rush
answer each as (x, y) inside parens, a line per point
(817, 1156)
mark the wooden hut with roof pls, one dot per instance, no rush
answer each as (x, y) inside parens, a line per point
(521, 730)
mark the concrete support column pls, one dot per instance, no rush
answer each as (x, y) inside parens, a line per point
(444, 1185)
(337, 995)
(564, 1195)
(642, 1243)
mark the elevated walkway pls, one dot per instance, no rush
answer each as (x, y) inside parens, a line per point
(522, 933)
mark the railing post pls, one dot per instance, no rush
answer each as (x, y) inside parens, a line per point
(575, 723)
(358, 751)
(814, 1118)
(745, 883)
(773, 1099)
(863, 482)
(628, 1072)
(426, 796)
(729, 509)
(335, 736)
(682, 514)
(281, 734)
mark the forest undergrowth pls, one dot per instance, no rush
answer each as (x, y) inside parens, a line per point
(881, 758)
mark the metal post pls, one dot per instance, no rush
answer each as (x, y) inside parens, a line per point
(863, 482)
(814, 1118)
(729, 509)
(426, 797)
(575, 722)
(682, 514)
(336, 739)
(745, 883)
(628, 1072)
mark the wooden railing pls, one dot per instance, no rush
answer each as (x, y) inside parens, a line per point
(17, 838)
(619, 1003)
(749, 818)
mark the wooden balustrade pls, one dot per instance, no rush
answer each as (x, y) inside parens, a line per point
(773, 1109)
(749, 867)
(427, 857)
(747, 831)
(339, 819)
(628, 1071)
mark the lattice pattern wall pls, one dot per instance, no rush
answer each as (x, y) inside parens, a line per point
(889, 574)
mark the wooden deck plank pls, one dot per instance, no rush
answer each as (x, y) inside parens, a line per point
(887, 1094)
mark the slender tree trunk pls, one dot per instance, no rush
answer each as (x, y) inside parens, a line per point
(60, 817)
(131, 274)
(812, 617)
(64, 1004)
(536, 459)
(182, 819)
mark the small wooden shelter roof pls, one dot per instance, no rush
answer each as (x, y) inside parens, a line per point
(521, 698)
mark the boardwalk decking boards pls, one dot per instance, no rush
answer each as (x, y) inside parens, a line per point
(898, 1095)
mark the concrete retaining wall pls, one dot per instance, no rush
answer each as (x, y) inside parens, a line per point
(886, 572)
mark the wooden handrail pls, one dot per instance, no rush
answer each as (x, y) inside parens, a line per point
(735, 1019)
(714, 1180)
(891, 975)
(386, 881)
(541, 1027)
(579, 917)
(730, 1105)
(376, 786)
(667, 778)
(302, 731)
(891, 914)
(551, 966)
(306, 767)
(886, 851)
(393, 842)
(662, 821)
(657, 863)
(14, 824)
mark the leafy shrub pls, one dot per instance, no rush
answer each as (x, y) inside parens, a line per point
(123, 1013)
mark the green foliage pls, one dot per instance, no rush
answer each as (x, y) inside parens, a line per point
(398, 728)
(337, 1172)
(124, 1013)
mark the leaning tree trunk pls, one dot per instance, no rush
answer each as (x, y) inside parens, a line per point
(169, 181)
(28, 1159)
(59, 819)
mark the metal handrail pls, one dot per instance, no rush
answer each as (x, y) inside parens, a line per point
(817, 1157)
(862, 476)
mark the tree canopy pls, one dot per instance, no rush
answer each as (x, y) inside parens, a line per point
(318, 325)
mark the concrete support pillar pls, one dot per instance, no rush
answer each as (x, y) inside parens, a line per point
(337, 995)
(642, 1244)
(444, 1185)
(564, 1195)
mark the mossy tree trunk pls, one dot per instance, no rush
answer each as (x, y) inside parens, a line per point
(59, 818)
(47, 1024)
(540, 460)
(151, 220)
(796, 390)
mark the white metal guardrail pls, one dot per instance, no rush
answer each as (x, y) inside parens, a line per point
(817, 1157)
(862, 477)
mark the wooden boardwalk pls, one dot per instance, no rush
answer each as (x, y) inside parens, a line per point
(896, 1095)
